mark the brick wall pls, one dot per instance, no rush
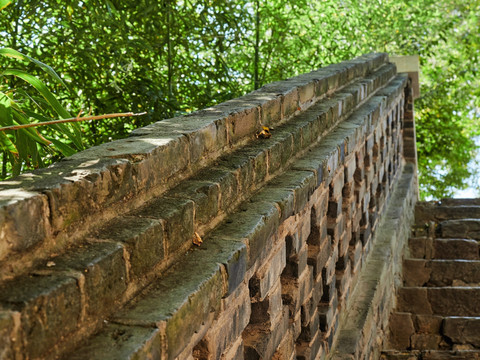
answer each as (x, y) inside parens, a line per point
(302, 231)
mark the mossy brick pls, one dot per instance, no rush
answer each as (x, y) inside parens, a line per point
(290, 103)
(177, 217)
(334, 77)
(288, 93)
(229, 252)
(205, 196)
(205, 130)
(297, 130)
(254, 223)
(323, 160)
(259, 155)
(306, 92)
(280, 151)
(143, 239)
(284, 198)
(314, 126)
(23, 220)
(104, 271)
(242, 167)
(319, 116)
(271, 107)
(50, 308)
(154, 159)
(303, 184)
(227, 182)
(116, 341)
(243, 124)
(187, 297)
(79, 188)
(228, 328)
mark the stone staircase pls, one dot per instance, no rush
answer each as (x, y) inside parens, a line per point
(438, 308)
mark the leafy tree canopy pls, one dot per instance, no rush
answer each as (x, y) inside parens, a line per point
(171, 57)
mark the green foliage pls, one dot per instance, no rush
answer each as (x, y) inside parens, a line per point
(19, 104)
(170, 57)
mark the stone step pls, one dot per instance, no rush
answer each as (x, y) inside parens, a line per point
(409, 331)
(430, 355)
(440, 211)
(436, 273)
(445, 301)
(454, 229)
(457, 202)
(428, 248)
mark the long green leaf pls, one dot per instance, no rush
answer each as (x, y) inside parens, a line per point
(63, 148)
(6, 143)
(5, 110)
(4, 4)
(20, 118)
(42, 89)
(18, 55)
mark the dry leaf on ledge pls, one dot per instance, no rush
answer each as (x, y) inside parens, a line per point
(197, 240)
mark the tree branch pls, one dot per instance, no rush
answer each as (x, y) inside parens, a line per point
(75, 119)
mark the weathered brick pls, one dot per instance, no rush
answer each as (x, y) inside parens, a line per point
(318, 256)
(296, 263)
(205, 196)
(101, 267)
(187, 296)
(122, 342)
(296, 290)
(10, 337)
(255, 227)
(266, 310)
(301, 182)
(268, 274)
(143, 239)
(16, 234)
(243, 124)
(228, 327)
(49, 305)
(178, 222)
(263, 347)
(310, 330)
(310, 350)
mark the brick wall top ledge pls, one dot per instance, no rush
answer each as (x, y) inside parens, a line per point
(52, 207)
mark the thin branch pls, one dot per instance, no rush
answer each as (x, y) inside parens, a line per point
(75, 119)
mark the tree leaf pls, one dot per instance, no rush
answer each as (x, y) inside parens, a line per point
(42, 89)
(4, 4)
(18, 55)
